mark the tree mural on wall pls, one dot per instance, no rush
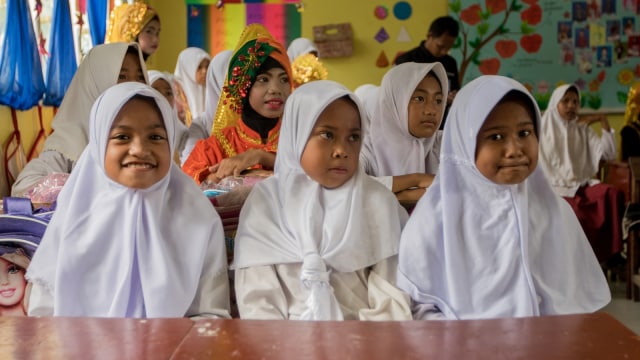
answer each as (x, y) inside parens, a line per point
(476, 32)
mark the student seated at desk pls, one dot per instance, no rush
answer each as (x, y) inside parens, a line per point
(104, 66)
(490, 239)
(570, 154)
(405, 140)
(132, 235)
(319, 239)
(247, 121)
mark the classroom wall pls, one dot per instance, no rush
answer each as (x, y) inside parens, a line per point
(352, 71)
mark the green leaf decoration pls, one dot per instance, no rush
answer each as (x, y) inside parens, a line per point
(622, 97)
(485, 15)
(455, 6)
(526, 29)
(503, 30)
(476, 58)
(483, 28)
(457, 43)
(594, 101)
(515, 6)
(474, 43)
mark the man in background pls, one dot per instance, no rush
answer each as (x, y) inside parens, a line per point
(441, 36)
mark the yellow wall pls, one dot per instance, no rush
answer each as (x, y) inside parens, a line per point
(352, 71)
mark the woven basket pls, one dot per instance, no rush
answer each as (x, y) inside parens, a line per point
(333, 40)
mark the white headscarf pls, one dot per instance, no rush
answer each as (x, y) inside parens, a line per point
(477, 249)
(368, 95)
(300, 46)
(290, 218)
(98, 71)
(186, 68)
(114, 251)
(570, 152)
(396, 151)
(216, 74)
(181, 128)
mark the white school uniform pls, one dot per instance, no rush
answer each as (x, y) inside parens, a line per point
(395, 150)
(188, 61)
(114, 251)
(306, 252)
(474, 249)
(570, 152)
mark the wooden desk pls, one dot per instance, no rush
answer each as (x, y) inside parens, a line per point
(633, 279)
(592, 336)
(90, 338)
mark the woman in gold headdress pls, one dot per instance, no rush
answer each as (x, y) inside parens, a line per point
(630, 133)
(137, 22)
(247, 121)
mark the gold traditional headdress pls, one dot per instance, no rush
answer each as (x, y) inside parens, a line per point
(633, 104)
(255, 46)
(306, 68)
(127, 21)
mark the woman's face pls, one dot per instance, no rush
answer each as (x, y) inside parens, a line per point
(165, 89)
(269, 91)
(149, 37)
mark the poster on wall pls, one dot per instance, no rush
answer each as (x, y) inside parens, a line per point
(594, 44)
(216, 26)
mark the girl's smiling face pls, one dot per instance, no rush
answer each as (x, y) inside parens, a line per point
(137, 154)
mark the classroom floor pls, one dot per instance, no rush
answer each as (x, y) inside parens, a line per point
(625, 310)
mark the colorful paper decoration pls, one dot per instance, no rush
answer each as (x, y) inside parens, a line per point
(382, 61)
(402, 10)
(214, 29)
(403, 36)
(381, 12)
(382, 35)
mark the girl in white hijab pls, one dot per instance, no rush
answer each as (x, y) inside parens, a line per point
(191, 71)
(132, 235)
(163, 83)
(570, 150)
(202, 125)
(404, 129)
(104, 66)
(490, 239)
(318, 240)
(570, 154)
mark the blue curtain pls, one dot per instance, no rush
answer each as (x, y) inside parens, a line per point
(97, 16)
(62, 57)
(21, 81)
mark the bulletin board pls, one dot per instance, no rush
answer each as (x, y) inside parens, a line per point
(594, 44)
(217, 25)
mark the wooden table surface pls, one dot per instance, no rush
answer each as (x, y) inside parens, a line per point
(591, 336)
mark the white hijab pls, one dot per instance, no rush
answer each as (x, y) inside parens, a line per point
(181, 128)
(396, 151)
(476, 249)
(186, 68)
(113, 251)
(300, 46)
(98, 71)
(290, 218)
(216, 74)
(368, 95)
(570, 152)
